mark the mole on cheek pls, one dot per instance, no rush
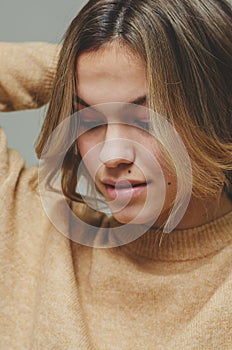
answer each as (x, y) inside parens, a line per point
(169, 183)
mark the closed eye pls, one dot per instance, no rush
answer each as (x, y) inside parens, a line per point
(89, 118)
(91, 124)
(143, 124)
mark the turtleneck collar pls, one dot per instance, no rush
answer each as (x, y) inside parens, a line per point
(183, 244)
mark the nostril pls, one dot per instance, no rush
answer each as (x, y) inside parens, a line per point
(117, 162)
(116, 152)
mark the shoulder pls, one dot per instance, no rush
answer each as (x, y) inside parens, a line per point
(20, 205)
(12, 167)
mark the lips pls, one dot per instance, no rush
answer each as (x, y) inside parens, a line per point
(124, 189)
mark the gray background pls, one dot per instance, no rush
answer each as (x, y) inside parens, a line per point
(32, 20)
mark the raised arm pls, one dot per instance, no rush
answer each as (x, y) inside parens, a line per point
(26, 74)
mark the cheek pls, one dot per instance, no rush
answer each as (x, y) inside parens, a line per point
(154, 150)
(82, 146)
(86, 145)
(167, 166)
(90, 154)
(165, 160)
(89, 140)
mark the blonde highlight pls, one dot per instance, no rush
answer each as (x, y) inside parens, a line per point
(187, 49)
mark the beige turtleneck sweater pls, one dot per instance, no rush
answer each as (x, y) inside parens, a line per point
(57, 294)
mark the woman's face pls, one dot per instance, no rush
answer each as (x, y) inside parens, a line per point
(122, 157)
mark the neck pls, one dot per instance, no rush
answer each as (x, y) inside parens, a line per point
(200, 212)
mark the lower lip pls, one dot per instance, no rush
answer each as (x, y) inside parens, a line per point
(125, 193)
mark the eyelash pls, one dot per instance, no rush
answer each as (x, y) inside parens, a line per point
(90, 125)
(143, 125)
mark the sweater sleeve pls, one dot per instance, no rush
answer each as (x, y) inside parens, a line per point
(27, 72)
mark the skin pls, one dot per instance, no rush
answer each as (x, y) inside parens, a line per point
(121, 149)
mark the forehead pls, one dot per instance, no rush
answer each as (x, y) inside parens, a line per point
(111, 74)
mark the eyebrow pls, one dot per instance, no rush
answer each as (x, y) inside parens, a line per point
(138, 101)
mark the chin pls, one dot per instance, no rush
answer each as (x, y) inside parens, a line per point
(132, 219)
(137, 215)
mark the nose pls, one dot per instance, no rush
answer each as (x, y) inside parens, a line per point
(117, 148)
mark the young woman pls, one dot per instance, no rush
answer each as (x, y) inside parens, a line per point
(142, 90)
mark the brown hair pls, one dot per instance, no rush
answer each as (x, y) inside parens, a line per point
(187, 49)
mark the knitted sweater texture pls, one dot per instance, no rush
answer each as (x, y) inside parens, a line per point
(58, 294)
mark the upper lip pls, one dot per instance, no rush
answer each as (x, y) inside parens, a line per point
(123, 182)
